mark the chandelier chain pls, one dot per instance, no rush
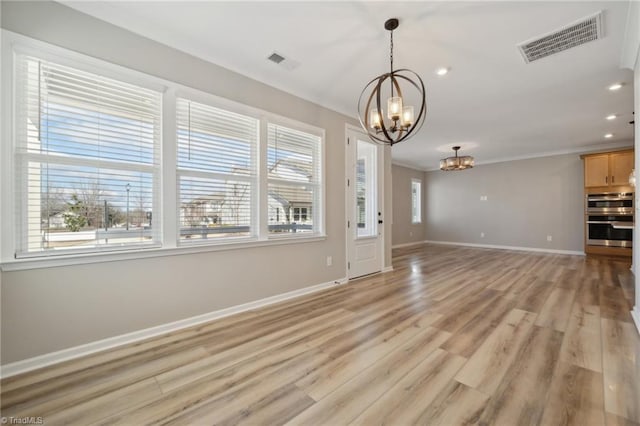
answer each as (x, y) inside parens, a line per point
(391, 62)
(391, 52)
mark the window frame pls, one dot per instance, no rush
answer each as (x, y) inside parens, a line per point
(22, 156)
(418, 206)
(167, 213)
(254, 181)
(317, 212)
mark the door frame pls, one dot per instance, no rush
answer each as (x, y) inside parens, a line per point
(349, 174)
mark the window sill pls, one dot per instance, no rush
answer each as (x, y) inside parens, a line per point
(83, 259)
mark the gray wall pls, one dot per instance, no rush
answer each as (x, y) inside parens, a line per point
(403, 231)
(526, 201)
(45, 310)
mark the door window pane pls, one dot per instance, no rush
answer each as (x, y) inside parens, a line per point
(366, 189)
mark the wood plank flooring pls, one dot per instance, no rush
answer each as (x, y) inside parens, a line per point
(452, 336)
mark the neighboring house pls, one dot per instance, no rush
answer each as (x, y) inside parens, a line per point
(203, 211)
(56, 221)
(288, 203)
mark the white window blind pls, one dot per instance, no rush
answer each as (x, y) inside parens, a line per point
(294, 180)
(87, 160)
(217, 176)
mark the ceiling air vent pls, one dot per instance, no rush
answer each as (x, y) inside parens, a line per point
(283, 61)
(276, 58)
(581, 32)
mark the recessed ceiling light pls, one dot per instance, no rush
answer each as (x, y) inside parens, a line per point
(615, 86)
(442, 71)
(611, 117)
(608, 135)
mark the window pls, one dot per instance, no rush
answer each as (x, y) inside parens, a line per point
(98, 150)
(294, 177)
(86, 160)
(416, 201)
(216, 172)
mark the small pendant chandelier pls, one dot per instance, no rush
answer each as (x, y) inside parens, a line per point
(456, 163)
(400, 122)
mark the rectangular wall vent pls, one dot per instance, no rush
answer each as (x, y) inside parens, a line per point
(572, 35)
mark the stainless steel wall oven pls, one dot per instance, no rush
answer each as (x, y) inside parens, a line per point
(610, 219)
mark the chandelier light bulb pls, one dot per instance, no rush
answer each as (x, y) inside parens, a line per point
(407, 116)
(375, 119)
(394, 108)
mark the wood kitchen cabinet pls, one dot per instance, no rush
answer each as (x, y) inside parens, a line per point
(608, 171)
(620, 168)
(606, 175)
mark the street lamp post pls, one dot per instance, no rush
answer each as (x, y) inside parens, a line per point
(128, 189)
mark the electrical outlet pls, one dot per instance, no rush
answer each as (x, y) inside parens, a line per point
(549, 238)
(329, 260)
(482, 235)
(410, 234)
(483, 198)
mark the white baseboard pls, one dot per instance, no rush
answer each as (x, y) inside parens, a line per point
(415, 243)
(635, 314)
(52, 358)
(387, 269)
(514, 248)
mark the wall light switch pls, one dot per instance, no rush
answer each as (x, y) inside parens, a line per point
(329, 260)
(549, 238)
(483, 198)
(482, 235)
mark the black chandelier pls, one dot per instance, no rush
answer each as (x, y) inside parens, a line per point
(400, 121)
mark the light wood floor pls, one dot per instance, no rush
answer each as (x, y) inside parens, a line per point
(451, 336)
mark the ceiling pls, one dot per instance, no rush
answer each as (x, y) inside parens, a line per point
(492, 103)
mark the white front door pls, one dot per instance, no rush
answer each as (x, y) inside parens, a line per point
(364, 202)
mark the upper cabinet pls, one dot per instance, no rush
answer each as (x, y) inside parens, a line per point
(621, 167)
(596, 170)
(607, 170)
